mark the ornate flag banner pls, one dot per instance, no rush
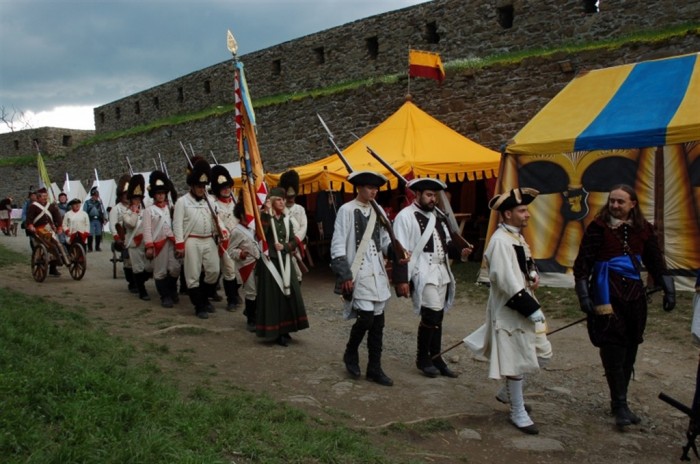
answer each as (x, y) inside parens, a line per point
(425, 64)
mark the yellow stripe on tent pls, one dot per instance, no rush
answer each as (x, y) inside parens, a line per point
(685, 125)
(555, 128)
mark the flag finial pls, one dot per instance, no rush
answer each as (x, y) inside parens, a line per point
(231, 43)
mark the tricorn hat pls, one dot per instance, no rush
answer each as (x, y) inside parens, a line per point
(289, 182)
(200, 173)
(426, 183)
(158, 182)
(123, 185)
(276, 192)
(137, 187)
(74, 201)
(42, 190)
(372, 178)
(512, 198)
(220, 178)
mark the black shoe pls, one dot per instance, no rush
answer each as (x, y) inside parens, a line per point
(379, 377)
(54, 273)
(231, 307)
(352, 366)
(250, 326)
(621, 418)
(202, 314)
(429, 371)
(447, 372)
(98, 249)
(210, 308)
(144, 296)
(282, 341)
(634, 419)
(133, 288)
(528, 429)
(167, 302)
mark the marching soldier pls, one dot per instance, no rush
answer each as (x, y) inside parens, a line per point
(221, 183)
(133, 223)
(116, 225)
(196, 228)
(160, 240)
(76, 223)
(426, 235)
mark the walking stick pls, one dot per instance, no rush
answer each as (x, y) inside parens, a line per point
(566, 326)
(448, 349)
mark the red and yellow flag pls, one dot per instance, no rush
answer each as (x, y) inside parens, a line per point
(254, 189)
(425, 64)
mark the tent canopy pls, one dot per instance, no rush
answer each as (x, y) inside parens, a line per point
(414, 143)
(648, 104)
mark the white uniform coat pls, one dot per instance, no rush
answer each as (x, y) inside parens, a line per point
(508, 338)
(371, 281)
(75, 222)
(429, 268)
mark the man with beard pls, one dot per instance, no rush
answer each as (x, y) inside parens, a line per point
(611, 291)
(427, 237)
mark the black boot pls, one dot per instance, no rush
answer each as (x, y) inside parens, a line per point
(198, 300)
(183, 283)
(141, 278)
(129, 276)
(166, 300)
(250, 313)
(172, 288)
(613, 358)
(53, 271)
(375, 338)
(232, 298)
(207, 291)
(98, 240)
(351, 357)
(89, 244)
(436, 348)
(628, 368)
(423, 361)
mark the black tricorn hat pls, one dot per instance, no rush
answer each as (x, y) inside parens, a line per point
(200, 173)
(426, 183)
(158, 182)
(512, 198)
(137, 187)
(74, 201)
(123, 184)
(375, 179)
(220, 178)
(289, 182)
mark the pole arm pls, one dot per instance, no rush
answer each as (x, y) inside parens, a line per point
(449, 218)
(399, 250)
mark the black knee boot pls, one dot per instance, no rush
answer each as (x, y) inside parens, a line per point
(613, 358)
(198, 299)
(166, 299)
(250, 313)
(98, 240)
(436, 348)
(628, 368)
(141, 278)
(129, 276)
(351, 357)
(232, 298)
(89, 244)
(375, 337)
(172, 288)
(423, 361)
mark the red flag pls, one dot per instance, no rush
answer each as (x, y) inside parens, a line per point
(425, 64)
(251, 164)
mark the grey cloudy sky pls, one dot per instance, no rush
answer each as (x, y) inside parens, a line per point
(61, 58)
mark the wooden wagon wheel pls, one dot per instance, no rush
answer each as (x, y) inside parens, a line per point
(40, 262)
(78, 263)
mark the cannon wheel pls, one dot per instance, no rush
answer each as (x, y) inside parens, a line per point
(77, 264)
(40, 262)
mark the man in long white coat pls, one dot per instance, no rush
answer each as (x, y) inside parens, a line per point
(427, 237)
(356, 259)
(509, 338)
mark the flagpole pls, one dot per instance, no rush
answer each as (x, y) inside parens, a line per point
(408, 71)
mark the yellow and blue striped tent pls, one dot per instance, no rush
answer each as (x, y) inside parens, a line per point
(637, 124)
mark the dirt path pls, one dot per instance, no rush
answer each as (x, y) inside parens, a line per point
(569, 398)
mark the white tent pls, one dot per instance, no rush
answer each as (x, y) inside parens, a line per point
(73, 189)
(108, 192)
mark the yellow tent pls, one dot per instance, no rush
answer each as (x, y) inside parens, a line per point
(413, 142)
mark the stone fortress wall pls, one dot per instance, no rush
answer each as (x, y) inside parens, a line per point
(488, 104)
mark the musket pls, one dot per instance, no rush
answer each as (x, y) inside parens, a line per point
(214, 216)
(448, 216)
(692, 433)
(131, 169)
(213, 157)
(399, 250)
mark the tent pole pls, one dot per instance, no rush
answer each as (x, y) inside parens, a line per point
(659, 193)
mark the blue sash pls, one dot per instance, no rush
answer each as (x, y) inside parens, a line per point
(621, 265)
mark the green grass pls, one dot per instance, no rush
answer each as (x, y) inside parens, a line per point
(71, 393)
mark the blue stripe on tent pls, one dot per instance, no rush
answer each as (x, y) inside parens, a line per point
(639, 113)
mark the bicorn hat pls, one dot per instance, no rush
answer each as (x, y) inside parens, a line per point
(74, 201)
(289, 182)
(158, 182)
(200, 173)
(137, 187)
(123, 185)
(220, 178)
(512, 198)
(372, 178)
(426, 183)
